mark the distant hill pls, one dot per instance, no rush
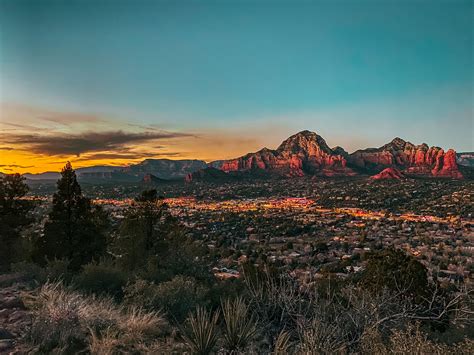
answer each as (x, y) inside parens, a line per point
(153, 180)
(302, 154)
(465, 159)
(164, 168)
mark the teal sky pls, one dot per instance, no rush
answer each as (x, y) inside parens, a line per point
(357, 72)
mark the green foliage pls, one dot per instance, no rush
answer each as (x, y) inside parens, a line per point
(240, 326)
(102, 278)
(142, 231)
(202, 332)
(14, 216)
(394, 270)
(75, 229)
(176, 297)
(54, 270)
(152, 245)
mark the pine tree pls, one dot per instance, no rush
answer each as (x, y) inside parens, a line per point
(141, 233)
(14, 217)
(75, 228)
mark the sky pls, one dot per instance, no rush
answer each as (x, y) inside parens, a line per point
(115, 82)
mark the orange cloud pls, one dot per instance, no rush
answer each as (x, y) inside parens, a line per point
(37, 140)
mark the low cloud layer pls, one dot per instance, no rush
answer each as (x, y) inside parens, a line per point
(77, 144)
(15, 166)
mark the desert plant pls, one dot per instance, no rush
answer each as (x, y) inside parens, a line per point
(201, 335)
(240, 328)
(102, 278)
(176, 297)
(319, 337)
(104, 343)
(282, 343)
(68, 321)
(140, 323)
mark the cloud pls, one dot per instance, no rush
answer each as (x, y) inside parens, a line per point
(131, 155)
(77, 144)
(16, 166)
(7, 148)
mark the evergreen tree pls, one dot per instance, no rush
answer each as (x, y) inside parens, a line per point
(13, 218)
(394, 270)
(141, 233)
(153, 244)
(75, 229)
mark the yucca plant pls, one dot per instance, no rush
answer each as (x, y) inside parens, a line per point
(240, 328)
(201, 335)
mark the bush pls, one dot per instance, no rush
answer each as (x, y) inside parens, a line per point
(102, 278)
(54, 270)
(177, 297)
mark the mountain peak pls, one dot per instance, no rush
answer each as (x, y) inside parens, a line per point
(398, 142)
(304, 142)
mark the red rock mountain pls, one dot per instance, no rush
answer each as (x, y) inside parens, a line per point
(388, 174)
(416, 160)
(300, 154)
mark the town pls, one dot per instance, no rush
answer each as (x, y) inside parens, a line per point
(313, 228)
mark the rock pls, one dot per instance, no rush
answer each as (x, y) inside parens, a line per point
(301, 154)
(417, 160)
(11, 302)
(5, 345)
(16, 316)
(388, 173)
(152, 179)
(207, 174)
(5, 334)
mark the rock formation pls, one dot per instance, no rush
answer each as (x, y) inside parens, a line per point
(388, 174)
(300, 154)
(416, 160)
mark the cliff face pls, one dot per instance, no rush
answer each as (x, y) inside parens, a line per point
(300, 154)
(417, 160)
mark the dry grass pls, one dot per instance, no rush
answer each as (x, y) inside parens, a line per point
(282, 343)
(68, 320)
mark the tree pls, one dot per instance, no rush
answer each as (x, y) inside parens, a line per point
(394, 270)
(75, 229)
(13, 217)
(141, 233)
(152, 243)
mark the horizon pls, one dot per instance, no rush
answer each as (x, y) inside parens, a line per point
(115, 83)
(210, 161)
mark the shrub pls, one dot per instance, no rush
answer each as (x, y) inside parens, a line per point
(177, 297)
(102, 278)
(54, 270)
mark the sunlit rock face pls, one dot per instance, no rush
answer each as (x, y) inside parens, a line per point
(388, 174)
(405, 156)
(301, 154)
